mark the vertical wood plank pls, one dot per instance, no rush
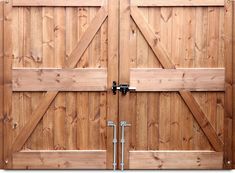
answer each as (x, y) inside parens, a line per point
(1, 84)
(154, 19)
(212, 59)
(36, 58)
(82, 121)
(175, 100)
(188, 61)
(7, 84)
(19, 119)
(72, 37)
(166, 21)
(142, 102)
(233, 86)
(27, 61)
(48, 61)
(220, 96)
(103, 59)
(199, 140)
(164, 122)
(153, 98)
(59, 119)
(124, 75)
(228, 120)
(82, 97)
(94, 121)
(94, 109)
(133, 96)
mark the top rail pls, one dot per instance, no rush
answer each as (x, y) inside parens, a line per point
(57, 3)
(177, 3)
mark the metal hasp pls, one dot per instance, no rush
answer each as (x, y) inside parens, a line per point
(123, 88)
(123, 124)
(112, 124)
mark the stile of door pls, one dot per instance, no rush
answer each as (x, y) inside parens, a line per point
(177, 54)
(59, 60)
(1, 84)
(233, 85)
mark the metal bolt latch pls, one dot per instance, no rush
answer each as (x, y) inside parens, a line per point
(123, 88)
(123, 124)
(113, 125)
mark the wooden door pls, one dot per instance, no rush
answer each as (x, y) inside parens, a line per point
(178, 55)
(60, 58)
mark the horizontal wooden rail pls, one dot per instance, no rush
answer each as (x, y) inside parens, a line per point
(73, 159)
(58, 3)
(59, 79)
(177, 79)
(175, 160)
(183, 3)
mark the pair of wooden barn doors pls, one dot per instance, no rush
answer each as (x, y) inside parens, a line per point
(62, 56)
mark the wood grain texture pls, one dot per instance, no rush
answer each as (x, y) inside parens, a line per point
(166, 62)
(94, 97)
(141, 122)
(32, 123)
(233, 86)
(163, 27)
(7, 84)
(151, 38)
(49, 62)
(228, 53)
(59, 80)
(59, 143)
(201, 30)
(202, 121)
(87, 38)
(176, 80)
(170, 160)
(177, 3)
(1, 84)
(153, 112)
(35, 50)
(60, 59)
(59, 160)
(113, 62)
(124, 75)
(72, 36)
(57, 3)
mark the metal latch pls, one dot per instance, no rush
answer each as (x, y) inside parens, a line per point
(123, 88)
(123, 124)
(113, 125)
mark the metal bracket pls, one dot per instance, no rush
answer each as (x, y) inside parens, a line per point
(112, 124)
(123, 124)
